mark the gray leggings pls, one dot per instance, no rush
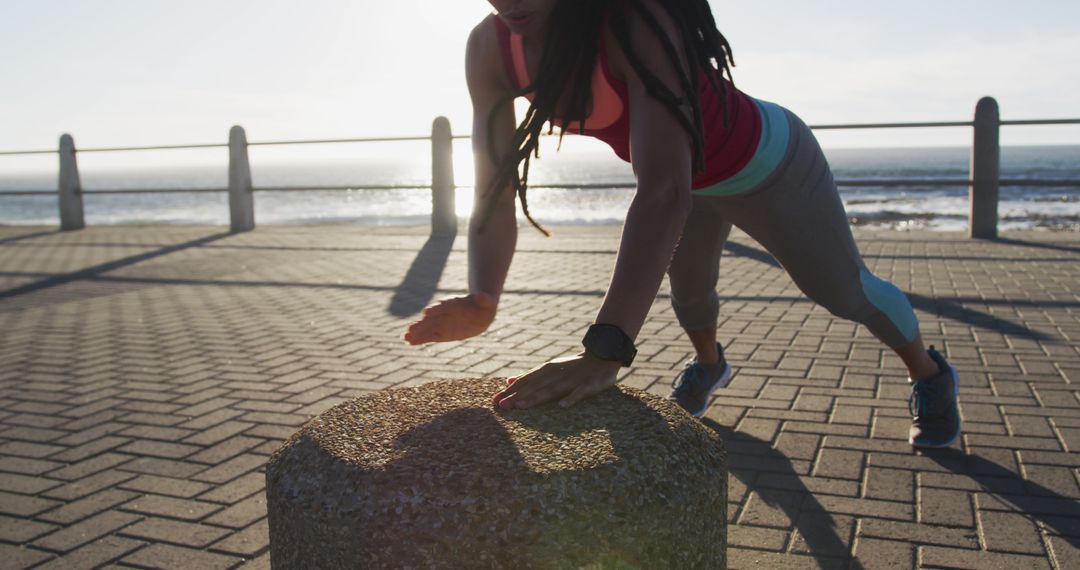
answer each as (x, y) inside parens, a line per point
(796, 214)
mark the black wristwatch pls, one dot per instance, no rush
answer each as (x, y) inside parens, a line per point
(609, 342)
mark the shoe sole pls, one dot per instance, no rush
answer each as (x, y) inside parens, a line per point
(960, 425)
(721, 382)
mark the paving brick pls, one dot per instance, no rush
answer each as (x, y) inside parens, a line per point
(231, 469)
(874, 554)
(88, 485)
(919, 533)
(94, 555)
(88, 530)
(175, 532)
(237, 489)
(241, 514)
(25, 484)
(823, 534)
(90, 466)
(248, 542)
(16, 557)
(89, 449)
(890, 485)
(760, 538)
(1065, 553)
(24, 506)
(20, 531)
(86, 506)
(162, 449)
(1009, 532)
(839, 463)
(169, 556)
(945, 507)
(182, 509)
(226, 450)
(172, 487)
(942, 557)
(27, 466)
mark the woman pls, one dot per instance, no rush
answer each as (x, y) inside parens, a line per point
(647, 77)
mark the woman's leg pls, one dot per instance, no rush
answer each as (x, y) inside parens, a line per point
(799, 218)
(693, 273)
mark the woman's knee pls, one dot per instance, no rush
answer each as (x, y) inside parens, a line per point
(871, 301)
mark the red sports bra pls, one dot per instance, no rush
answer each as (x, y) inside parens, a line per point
(727, 150)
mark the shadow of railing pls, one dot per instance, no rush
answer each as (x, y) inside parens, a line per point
(421, 282)
(98, 270)
(800, 506)
(1054, 512)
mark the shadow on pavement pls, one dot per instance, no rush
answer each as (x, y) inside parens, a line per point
(33, 235)
(754, 457)
(1055, 513)
(97, 270)
(422, 280)
(1038, 244)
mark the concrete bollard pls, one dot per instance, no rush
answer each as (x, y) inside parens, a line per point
(434, 477)
(70, 187)
(443, 209)
(985, 170)
(241, 194)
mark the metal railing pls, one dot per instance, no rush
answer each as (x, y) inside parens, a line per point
(984, 180)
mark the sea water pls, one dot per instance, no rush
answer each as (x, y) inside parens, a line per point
(901, 208)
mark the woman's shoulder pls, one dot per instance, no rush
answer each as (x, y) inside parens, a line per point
(644, 30)
(483, 53)
(484, 39)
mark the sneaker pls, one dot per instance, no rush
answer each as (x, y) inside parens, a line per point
(934, 406)
(693, 386)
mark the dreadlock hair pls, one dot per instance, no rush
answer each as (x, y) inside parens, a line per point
(566, 66)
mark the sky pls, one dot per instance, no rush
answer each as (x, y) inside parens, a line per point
(149, 72)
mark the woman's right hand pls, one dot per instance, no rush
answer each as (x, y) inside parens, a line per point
(456, 318)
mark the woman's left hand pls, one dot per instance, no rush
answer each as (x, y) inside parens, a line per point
(568, 379)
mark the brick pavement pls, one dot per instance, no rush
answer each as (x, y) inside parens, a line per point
(147, 373)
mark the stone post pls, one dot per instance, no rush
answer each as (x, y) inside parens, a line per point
(443, 213)
(70, 188)
(241, 194)
(985, 170)
(433, 476)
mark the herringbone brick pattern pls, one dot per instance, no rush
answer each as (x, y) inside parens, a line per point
(146, 373)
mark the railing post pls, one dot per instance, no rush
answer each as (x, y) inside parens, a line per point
(70, 188)
(443, 212)
(985, 170)
(241, 196)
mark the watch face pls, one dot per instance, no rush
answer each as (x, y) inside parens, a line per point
(609, 343)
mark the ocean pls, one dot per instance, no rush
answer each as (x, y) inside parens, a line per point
(906, 208)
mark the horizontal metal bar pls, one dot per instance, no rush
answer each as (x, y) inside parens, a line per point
(156, 191)
(944, 182)
(1043, 122)
(358, 187)
(337, 141)
(160, 147)
(892, 125)
(18, 152)
(28, 193)
(1040, 183)
(593, 186)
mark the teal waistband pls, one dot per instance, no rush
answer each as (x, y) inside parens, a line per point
(775, 132)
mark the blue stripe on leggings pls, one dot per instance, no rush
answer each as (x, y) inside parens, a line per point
(775, 133)
(889, 299)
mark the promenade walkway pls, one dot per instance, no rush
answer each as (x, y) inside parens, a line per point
(146, 373)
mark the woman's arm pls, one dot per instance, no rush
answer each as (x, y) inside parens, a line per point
(489, 252)
(661, 157)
